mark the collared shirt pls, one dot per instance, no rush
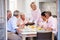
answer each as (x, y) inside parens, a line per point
(52, 22)
(12, 24)
(35, 15)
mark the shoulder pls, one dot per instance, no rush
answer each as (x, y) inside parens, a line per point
(51, 19)
(13, 19)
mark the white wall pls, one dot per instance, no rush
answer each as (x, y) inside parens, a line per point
(49, 6)
(20, 5)
(12, 5)
(24, 6)
(47, 0)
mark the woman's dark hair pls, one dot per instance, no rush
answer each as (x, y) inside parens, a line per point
(43, 13)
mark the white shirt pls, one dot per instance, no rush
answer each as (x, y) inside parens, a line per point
(42, 23)
(35, 15)
(22, 22)
(52, 22)
(12, 24)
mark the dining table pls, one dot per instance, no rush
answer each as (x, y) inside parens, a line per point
(31, 31)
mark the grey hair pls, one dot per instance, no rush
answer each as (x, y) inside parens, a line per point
(8, 11)
(16, 13)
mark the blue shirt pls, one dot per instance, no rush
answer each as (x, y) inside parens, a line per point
(12, 24)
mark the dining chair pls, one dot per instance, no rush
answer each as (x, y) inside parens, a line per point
(44, 36)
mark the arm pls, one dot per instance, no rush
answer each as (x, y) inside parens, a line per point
(52, 25)
(14, 25)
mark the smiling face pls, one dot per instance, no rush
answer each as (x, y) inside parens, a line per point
(22, 17)
(44, 18)
(48, 14)
(9, 14)
(33, 6)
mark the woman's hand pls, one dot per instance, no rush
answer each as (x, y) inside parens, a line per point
(22, 26)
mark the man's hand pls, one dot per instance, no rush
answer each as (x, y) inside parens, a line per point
(18, 30)
(49, 29)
